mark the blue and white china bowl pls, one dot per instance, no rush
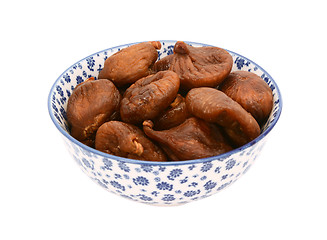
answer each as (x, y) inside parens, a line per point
(156, 183)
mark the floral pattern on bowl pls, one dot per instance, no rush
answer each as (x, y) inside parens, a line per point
(157, 183)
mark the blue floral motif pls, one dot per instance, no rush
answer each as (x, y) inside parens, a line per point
(63, 112)
(144, 197)
(170, 50)
(265, 78)
(159, 55)
(66, 127)
(117, 176)
(240, 63)
(63, 100)
(224, 177)
(68, 93)
(175, 173)
(191, 167)
(147, 168)
(60, 91)
(193, 184)
(191, 193)
(206, 166)
(100, 68)
(84, 74)
(90, 63)
(141, 181)
(217, 170)
(116, 184)
(247, 169)
(79, 79)
(224, 185)
(123, 167)
(162, 168)
(168, 197)
(155, 193)
(184, 180)
(100, 183)
(107, 164)
(203, 178)
(209, 185)
(244, 164)
(230, 164)
(164, 186)
(88, 164)
(54, 107)
(66, 78)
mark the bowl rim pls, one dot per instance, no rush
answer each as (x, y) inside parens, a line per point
(171, 163)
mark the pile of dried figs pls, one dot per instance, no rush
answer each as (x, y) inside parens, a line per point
(187, 105)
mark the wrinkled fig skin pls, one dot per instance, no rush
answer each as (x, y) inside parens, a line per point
(174, 115)
(163, 64)
(197, 66)
(192, 139)
(215, 106)
(131, 63)
(148, 97)
(251, 92)
(125, 140)
(91, 104)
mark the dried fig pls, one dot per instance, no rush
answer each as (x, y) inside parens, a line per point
(215, 106)
(125, 140)
(163, 64)
(149, 96)
(197, 66)
(91, 104)
(131, 63)
(192, 139)
(251, 92)
(174, 115)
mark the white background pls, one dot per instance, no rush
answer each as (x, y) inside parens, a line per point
(44, 195)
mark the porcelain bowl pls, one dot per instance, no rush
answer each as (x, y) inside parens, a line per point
(157, 183)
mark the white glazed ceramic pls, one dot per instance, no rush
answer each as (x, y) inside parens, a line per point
(156, 183)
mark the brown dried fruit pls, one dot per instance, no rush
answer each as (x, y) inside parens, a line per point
(192, 139)
(149, 96)
(91, 104)
(251, 92)
(174, 115)
(163, 64)
(215, 106)
(197, 66)
(125, 140)
(131, 63)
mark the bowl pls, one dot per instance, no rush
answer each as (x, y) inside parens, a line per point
(157, 183)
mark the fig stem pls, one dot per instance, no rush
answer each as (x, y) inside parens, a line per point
(148, 123)
(138, 147)
(177, 101)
